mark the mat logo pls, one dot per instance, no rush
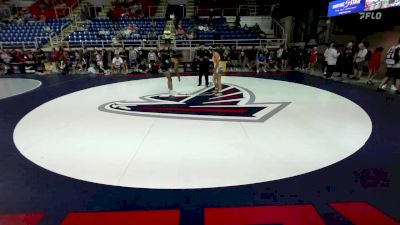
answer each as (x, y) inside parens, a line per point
(236, 104)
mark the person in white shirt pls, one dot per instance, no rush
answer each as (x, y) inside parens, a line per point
(47, 30)
(325, 63)
(279, 57)
(118, 64)
(152, 57)
(360, 61)
(332, 55)
(393, 68)
(133, 58)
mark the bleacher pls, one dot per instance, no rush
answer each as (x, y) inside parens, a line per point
(87, 34)
(119, 9)
(58, 10)
(221, 29)
(30, 34)
(90, 37)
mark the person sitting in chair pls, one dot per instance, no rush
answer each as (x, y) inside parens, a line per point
(118, 64)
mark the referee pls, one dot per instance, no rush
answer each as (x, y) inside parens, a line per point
(203, 58)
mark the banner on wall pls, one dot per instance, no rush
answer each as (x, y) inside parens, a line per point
(343, 7)
(371, 5)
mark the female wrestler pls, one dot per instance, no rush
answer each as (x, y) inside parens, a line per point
(216, 58)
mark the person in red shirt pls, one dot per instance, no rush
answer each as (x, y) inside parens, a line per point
(19, 56)
(374, 64)
(55, 57)
(313, 58)
(181, 30)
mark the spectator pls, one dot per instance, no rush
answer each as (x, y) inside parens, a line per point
(332, 56)
(374, 65)
(285, 58)
(64, 66)
(190, 36)
(313, 58)
(40, 60)
(251, 57)
(143, 67)
(99, 62)
(272, 60)
(103, 33)
(123, 54)
(257, 27)
(242, 58)
(86, 55)
(181, 31)
(206, 28)
(47, 30)
(77, 55)
(261, 61)
(135, 8)
(200, 27)
(301, 57)
(118, 64)
(115, 40)
(347, 62)
(360, 61)
(55, 55)
(104, 53)
(233, 57)
(26, 15)
(60, 54)
(5, 60)
(237, 22)
(40, 55)
(325, 62)
(152, 57)
(393, 68)
(279, 55)
(53, 68)
(42, 17)
(152, 35)
(133, 58)
(19, 56)
(45, 4)
(80, 64)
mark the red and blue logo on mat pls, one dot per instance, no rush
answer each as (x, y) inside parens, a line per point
(236, 104)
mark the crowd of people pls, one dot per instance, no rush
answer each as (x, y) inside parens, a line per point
(62, 61)
(140, 60)
(356, 60)
(126, 9)
(207, 25)
(352, 61)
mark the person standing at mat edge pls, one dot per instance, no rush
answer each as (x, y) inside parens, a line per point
(204, 63)
(361, 60)
(393, 68)
(332, 55)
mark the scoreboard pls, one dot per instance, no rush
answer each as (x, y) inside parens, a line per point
(344, 7)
